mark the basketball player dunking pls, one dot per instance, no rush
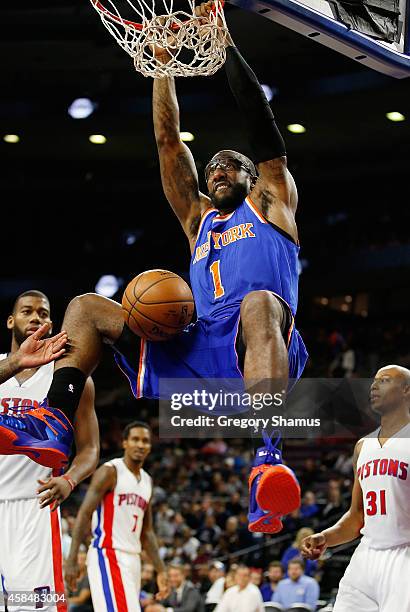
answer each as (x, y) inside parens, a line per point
(244, 277)
(377, 578)
(117, 505)
(30, 551)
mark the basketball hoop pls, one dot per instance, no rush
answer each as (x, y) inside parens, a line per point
(192, 45)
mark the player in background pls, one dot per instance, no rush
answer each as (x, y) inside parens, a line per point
(118, 509)
(245, 287)
(30, 551)
(376, 579)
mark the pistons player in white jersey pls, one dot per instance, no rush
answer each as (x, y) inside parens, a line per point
(377, 578)
(30, 551)
(117, 506)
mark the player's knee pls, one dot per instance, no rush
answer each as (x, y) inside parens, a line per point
(261, 310)
(83, 305)
(96, 311)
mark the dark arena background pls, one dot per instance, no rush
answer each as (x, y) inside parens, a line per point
(74, 211)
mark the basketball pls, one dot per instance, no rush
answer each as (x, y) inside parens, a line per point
(157, 305)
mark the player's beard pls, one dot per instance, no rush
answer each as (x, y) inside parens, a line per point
(19, 335)
(230, 201)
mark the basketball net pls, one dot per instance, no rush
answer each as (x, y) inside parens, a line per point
(190, 45)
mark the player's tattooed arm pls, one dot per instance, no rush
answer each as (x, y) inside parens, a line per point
(104, 480)
(9, 367)
(275, 195)
(265, 141)
(178, 171)
(347, 528)
(87, 442)
(150, 546)
(33, 352)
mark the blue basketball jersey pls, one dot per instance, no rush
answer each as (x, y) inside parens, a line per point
(238, 253)
(234, 254)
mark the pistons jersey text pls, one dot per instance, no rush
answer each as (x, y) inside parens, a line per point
(384, 476)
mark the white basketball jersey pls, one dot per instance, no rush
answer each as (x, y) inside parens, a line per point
(18, 473)
(117, 522)
(384, 476)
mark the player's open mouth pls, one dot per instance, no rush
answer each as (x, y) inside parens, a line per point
(221, 186)
(32, 330)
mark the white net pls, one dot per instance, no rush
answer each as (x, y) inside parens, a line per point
(174, 43)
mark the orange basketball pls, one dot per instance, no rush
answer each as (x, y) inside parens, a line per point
(157, 305)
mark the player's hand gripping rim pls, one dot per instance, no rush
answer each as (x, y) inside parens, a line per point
(164, 55)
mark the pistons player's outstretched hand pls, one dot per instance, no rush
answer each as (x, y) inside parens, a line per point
(55, 491)
(71, 574)
(313, 546)
(163, 586)
(36, 351)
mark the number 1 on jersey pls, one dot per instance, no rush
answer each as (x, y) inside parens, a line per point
(216, 277)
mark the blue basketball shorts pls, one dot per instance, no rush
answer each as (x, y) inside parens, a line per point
(205, 349)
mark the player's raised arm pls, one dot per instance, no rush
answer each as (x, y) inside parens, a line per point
(346, 529)
(178, 172)
(103, 481)
(87, 443)
(274, 192)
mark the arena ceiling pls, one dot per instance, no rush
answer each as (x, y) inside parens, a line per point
(55, 52)
(83, 197)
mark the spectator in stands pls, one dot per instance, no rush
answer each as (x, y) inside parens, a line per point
(297, 588)
(344, 462)
(80, 599)
(256, 576)
(164, 525)
(155, 607)
(230, 580)
(221, 513)
(309, 472)
(234, 505)
(309, 506)
(275, 574)
(244, 596)
(293, 552)
(190, 543)
(216, 576)
(210, 532)
(148, 585)
(148, 582)
(237, 536)
(145, 600)
(335, 505)
(184, 596)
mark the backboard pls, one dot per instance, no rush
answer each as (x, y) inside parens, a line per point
(320, 20)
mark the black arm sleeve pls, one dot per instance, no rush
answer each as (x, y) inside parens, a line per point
(265, 140)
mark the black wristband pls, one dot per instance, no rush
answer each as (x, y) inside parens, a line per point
(265, 140)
